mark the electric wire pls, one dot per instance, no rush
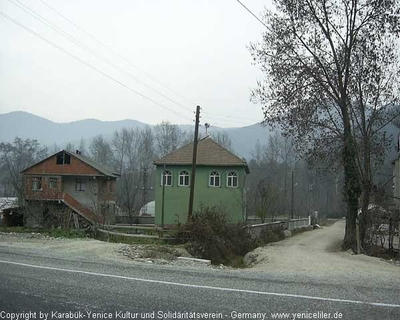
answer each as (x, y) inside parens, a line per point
(114, 52)
(258, 19)
(83, 46)
(134, 66)
(89, 65)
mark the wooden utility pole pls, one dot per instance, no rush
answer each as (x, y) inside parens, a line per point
(163, 198)
(292, 200)
(193, 175)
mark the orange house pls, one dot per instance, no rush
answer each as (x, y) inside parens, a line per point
(70, 188)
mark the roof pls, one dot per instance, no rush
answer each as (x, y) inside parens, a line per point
(8, 203)
(209, 153)
(100, 168)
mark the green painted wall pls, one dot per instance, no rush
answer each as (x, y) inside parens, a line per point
(176, 201)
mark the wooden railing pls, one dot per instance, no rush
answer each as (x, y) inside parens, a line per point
(79, 208)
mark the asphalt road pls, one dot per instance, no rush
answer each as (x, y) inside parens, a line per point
(61, 288)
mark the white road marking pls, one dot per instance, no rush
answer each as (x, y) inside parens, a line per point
(187, 285)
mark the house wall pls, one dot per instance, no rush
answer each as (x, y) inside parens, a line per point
(176, 201)
(46, 193)
(99, 193)
(50, 166)
(89, 196)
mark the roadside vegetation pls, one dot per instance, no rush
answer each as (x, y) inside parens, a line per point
(209, 235)
(55, 233)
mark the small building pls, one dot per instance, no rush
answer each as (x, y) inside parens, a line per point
(69, 188)
(8, 207)
(220, 181)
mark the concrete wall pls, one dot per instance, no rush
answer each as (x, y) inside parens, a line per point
(176, 201)
(89, 196)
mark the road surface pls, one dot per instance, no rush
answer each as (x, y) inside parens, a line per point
(39, 280)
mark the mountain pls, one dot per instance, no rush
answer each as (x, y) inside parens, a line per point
(26, 125)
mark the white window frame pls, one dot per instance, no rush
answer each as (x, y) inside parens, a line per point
(168, 174)
(212, 177)
(51, 181)
(230, 179)
(185, 177)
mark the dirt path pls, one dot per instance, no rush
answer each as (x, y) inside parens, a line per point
(317, 254)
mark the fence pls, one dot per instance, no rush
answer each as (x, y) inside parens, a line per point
(256, 229)
(298, 223)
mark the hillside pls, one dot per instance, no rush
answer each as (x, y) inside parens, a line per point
(26, 125)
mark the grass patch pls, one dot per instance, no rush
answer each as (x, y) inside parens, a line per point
(56, 233)
(125, 240)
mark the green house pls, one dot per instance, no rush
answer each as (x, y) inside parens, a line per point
(220, 181)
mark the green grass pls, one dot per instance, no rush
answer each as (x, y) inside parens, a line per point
(56, 233)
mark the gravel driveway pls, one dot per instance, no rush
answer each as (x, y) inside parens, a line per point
(316, 254)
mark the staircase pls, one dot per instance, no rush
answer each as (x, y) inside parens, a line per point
(79, 208)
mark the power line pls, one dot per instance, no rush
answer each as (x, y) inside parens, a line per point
(83, 46)
(228, 118)
(89, 65)
(258, 19)
(114, 52)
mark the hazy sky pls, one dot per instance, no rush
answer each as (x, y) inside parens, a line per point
(191, 51)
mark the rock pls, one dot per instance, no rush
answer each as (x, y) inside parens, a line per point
(250, 258)
(287, 233)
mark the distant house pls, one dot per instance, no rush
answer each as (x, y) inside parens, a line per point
(220, 181)
(8, 205)
(69, 188)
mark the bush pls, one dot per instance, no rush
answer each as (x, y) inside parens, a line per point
(269, 236)
(211, 237)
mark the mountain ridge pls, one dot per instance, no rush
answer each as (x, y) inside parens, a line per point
(48, 132)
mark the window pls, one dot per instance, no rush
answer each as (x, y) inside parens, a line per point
(63, 158)
(232, 180)
(167, 178)
(214, 179)
(80, 185)
(37, 184)
(184, 178)
(53, 183)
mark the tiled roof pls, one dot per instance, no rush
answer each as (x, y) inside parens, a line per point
(209, 153)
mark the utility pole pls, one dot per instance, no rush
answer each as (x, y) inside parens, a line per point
(292, 200)
(144, 190)
(163, 199)
(193, 175)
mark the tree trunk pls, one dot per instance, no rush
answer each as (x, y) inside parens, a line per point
(352, 188)
(366, 189)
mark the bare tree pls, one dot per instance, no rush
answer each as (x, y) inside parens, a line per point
(101, 152)
(267, 200)
(223, 139)
(168, 137)
(17, 156)
(313, 54)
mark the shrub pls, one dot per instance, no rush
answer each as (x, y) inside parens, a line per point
(210, 236)
(269, 236)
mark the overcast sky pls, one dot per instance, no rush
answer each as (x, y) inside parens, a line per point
(193, 52)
